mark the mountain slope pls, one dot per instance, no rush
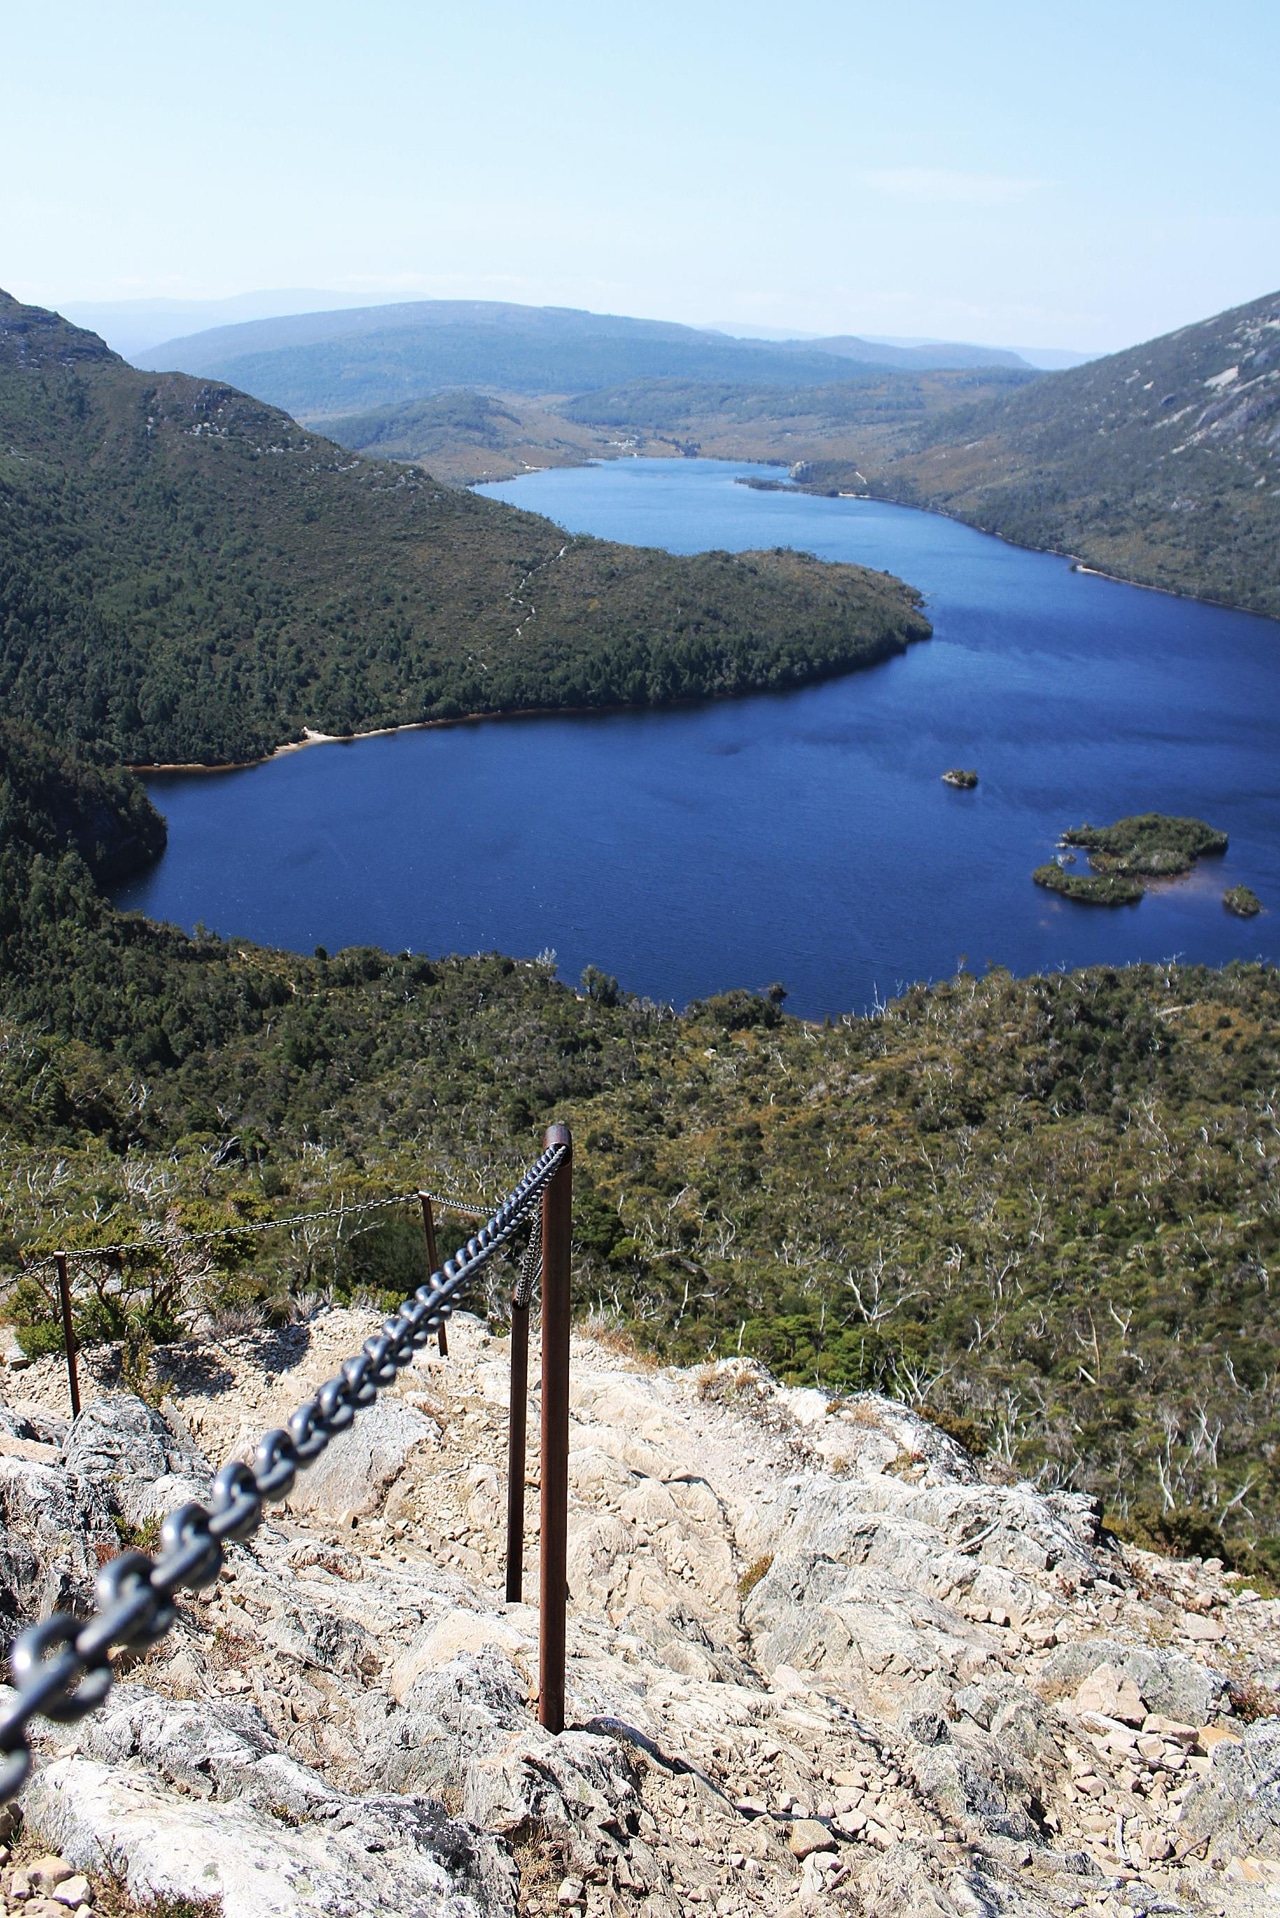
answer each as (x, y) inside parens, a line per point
(1161, 463)
(187, 575)
(322, 364)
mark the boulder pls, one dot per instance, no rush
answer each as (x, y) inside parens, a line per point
(141, 1464)
(1236, 1806)
(351, 1476)
(218, 1751)
(55, 1532)
(1170, 1683)
(363, 1858)
(1113, 1694)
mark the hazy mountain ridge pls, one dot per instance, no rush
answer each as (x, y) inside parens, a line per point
(321, 364)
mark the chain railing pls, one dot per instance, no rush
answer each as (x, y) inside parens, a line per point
(62, 1666)
(164, 1238)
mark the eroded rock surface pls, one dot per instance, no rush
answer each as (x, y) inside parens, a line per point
(818, 1658)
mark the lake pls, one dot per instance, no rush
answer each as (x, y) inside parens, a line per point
(805, 836)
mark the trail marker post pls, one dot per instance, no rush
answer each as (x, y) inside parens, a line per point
(68, 1332)
(433, 1258)
(516, 1445)
(557, 1226)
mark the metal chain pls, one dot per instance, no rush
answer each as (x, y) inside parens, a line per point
(61, 1667)
(530, 1265)
(165, 1241)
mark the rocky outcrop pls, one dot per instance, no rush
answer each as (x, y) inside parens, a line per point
(818, 1656)
(140, 1464)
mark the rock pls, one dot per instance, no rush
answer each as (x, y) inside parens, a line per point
(1210, 1736)
(1207, 1630)
(571, 1891)
(139, 1463)
(296, 1735)
(1116, 1696)
(351, 1476)
(1170, 1682)
(807, 1836)
(1172, 1730)
(46, 1874)
(74, 1891)
(223, 1751)
(54, 1534)
(446, 1638)
(11, 1352)
(1236, 1805)
(365, 1859)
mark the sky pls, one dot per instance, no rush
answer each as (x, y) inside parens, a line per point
(1081, 176)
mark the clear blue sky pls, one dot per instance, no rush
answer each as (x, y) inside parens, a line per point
(1083, 175)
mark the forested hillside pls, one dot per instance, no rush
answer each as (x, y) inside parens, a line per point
(1042, 1208)
(186, 575)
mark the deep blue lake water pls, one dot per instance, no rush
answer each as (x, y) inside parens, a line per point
(803, 837)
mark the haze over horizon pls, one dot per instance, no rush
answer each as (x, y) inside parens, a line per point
(999, 178)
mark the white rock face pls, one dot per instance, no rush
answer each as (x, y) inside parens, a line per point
(818, 1657)
(363, 1861)
(351, 1476)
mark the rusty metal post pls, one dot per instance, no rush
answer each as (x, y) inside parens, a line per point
(433, 1259)
(557, 1223)
(518, 1420)
(68, 1334)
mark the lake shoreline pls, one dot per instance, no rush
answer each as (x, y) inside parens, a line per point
(807, 839)
(312, 737)
(1077, 563)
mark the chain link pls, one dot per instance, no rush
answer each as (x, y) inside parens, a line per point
(61, 1667)
(530, 1265)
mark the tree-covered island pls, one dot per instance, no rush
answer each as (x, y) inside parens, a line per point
(1127, 855)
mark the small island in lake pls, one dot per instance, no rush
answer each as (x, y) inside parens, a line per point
(1243, 901)
(958, 777)
(1149, 845)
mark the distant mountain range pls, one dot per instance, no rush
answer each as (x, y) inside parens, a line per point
(1046, 359)
(324, 364)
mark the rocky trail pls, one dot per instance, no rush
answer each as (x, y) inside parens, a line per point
(818, 1659)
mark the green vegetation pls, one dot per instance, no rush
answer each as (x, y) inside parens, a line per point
(1149, 845)
(1042, 1208)
(1243, 901)
(1152, 844)
(188, 576)
(1089, 888)
(417, 429)
(964, 780)
(463, 436)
